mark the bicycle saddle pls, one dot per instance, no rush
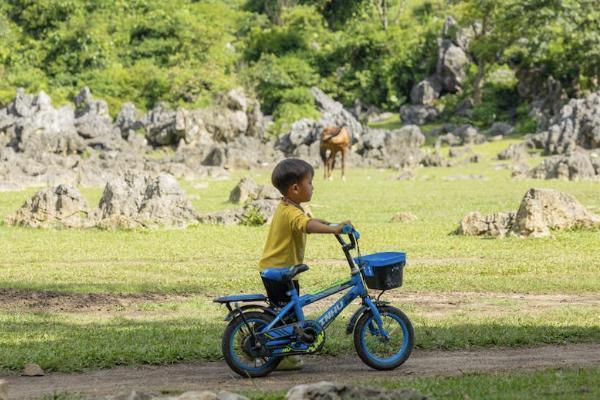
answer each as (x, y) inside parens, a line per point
(283, 274)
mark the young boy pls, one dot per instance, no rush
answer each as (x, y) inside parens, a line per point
(287, 236)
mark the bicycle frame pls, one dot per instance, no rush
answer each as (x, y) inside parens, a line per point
(357, 289)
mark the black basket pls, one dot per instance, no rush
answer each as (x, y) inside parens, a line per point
(382, 271)
(277, 290)
(384, 278)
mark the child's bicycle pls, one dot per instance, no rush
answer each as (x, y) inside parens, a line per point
(258, 336)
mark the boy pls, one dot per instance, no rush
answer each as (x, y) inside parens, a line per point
(287, 235)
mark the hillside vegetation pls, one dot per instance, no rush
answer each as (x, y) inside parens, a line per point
(184, 52)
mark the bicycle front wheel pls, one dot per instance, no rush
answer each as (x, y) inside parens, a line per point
(377, 351)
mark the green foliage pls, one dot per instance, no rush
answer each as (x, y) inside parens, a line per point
(185, 52)
(181, 52)
(253, 217)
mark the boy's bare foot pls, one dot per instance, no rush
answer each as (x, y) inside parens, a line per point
(290, 363)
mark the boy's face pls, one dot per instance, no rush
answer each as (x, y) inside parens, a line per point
(302, 191)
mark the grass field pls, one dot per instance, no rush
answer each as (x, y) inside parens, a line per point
(156, 286)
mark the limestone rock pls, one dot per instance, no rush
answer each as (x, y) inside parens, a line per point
(336, 391)
(516, 151)
(32, 370)
(145, 201)
(58, 207)
(540, 212)
(247, 189)
(577, 125)
(475, 224)
(579, 165)
(543, 210)
(256, 212)
(418, 114)
(403, 217)
(452, 65)
(426, 91)
(198, 395)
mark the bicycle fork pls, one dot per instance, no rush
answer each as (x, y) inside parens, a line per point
(377, 316)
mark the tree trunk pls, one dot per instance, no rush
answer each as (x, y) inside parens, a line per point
(478, 83)
(381, 6)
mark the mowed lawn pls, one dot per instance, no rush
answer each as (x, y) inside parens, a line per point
(504, 278)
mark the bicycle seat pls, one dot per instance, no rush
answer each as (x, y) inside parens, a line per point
(283, 274)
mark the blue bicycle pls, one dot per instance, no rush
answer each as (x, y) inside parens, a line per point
(259, 335)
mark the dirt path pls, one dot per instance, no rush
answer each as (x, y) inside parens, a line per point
(216, 375)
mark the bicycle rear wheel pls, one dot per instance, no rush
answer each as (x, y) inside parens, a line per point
(239, 346)
(377, 351)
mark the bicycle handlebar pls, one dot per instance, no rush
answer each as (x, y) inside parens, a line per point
(352, 233)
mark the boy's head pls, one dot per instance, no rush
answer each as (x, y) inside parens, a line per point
(293, 178)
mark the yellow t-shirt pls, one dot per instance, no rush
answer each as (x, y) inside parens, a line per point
(287, 238)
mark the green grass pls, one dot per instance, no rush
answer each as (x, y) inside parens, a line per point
(206, 261)
(570, 383)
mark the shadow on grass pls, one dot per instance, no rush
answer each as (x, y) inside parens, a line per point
(57, 344)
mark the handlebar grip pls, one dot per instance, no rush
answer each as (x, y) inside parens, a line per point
(349, 229)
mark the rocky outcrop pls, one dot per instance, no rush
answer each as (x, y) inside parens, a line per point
(516, 151)
(259, 203)
(58, 207)
(426, 91)
(577, 125)
(579, 165)
(94, 124)
(248, 190)
(476, 224)
(136, 201)
(418, 114)
(398, 148)
(541, 212)
(462, 135)
(314, 391)
(30, 124)
(338, 391)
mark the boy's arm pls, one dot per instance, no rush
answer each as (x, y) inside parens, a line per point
(318, 226)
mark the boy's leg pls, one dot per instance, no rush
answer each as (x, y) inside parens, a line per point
(291, 363)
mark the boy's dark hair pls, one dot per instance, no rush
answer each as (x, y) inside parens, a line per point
(290, 171)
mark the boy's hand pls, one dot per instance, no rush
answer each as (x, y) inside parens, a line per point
(340, 226)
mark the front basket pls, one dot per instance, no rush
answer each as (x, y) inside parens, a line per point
(382, 271)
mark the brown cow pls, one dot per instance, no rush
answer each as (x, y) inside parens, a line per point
(334, 140)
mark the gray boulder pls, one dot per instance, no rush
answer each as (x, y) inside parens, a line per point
(543, 210)
(336, 391)
(500, 128)
(30, 124)
(138, 200)
(469, 135)
(128, 121)
(451, 66)
(58, 207)
(475, 224)
(255, 212)
(94, 124)
(398, 148)
(578, 165)
(418, 114)
(515, 151)
(248, 190)
(160, 125)
(577, 125)
(426, 91)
